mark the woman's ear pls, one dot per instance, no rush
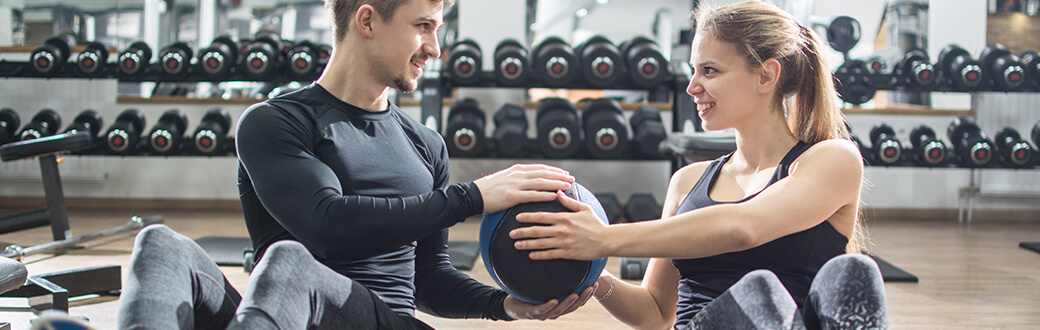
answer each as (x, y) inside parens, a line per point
(769, 75)
(363, 20)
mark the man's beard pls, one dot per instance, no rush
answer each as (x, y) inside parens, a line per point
(404, 85)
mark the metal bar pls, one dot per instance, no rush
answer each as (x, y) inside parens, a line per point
(15, 251)
(84, 281)
(53, 297)
(24, 220)
(55, 198)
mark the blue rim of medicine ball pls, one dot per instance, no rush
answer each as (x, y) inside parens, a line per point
(487, 232)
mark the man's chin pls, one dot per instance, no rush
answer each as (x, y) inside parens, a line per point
(406, 86)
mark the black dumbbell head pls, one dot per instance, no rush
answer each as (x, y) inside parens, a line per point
(602, 61)
(611, 206)
(93, 58)
(558, 128)
(135, 59)
(220, 57)
(125, 132)
(642, 207)
(1014, 151)
(88, 120)
(465, 128)
(303, 59)
(556, 62)
(605, 132)
(876, 65)
(175, 59)
(50, 57)
(263, 55)
(916, 66)
(1036, 134)
(9, 123)
(646, 65)
(647, 132)
(887, 148)
(957, 65)
(166, 135)
(970, 143)
(510, 132)
(465, 62)
(44, 123)
(511, 63)
(212, 131)
(1005, 71)
(928, 149)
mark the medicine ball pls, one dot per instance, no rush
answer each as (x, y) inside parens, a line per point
(536, 281)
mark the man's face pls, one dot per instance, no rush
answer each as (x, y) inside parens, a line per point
(406, 43)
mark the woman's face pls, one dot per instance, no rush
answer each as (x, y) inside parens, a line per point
(723, 87)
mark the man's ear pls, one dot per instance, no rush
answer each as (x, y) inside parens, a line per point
(363, 20)
(769, 75)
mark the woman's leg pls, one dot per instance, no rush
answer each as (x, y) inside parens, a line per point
(289, 289)
(847, 293)
(173, 282)
(758, 301)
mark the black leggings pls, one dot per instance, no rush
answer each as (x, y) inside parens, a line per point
(847, 293)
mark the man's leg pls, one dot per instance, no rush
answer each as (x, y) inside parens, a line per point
(172, 281)
(289, 289)
(758, 301)
(847, 293)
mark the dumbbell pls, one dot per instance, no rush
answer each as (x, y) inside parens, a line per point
(1036, 134)
(1005, 71)
(465, 129)
(970, 142)
(602, 62)
(957, 65)
(558, 128)
(1013, 150)
(263, 56)
(49, 58)
(324, 53)
(634, 268)
(175, 59)
(928, 149)
(93, 58)
(875, 65)
(465, 63)
(44, 123)
(9, 122)
(885, 145)
(647, 67)
(611, 206)
(219, 58)
(303, 60)
(211, 133)
(87, 121)
(647, 133)
(134, 60)
(852, 85)
(512, 67)
(125, 133)
(555, 62)
(605, 133)
(917, 68)
(510, 132)
(642, 207)
(1031, 62)
(167, 133)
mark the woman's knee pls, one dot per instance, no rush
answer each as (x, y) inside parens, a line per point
(284, 258)
(761, 280)
(856, 265)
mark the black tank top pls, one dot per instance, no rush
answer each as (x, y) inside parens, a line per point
(794, 258)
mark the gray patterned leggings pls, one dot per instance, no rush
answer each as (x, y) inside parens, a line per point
(847, 293)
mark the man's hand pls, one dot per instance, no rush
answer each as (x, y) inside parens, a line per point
(519, 310)
(522, 183)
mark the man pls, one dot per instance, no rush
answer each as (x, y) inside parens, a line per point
(346, 201)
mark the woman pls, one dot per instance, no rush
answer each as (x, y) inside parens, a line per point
(757, 238)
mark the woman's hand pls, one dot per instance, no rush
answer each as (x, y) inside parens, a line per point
(577, 235)
(517, 309)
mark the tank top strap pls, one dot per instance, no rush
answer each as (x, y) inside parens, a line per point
(785, 164)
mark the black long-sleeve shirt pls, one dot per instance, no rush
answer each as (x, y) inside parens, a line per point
(366, 192)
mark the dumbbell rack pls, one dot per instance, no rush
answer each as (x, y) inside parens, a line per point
(153, 73)
(437, 86)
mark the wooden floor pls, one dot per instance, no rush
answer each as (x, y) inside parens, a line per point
(971, 276)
